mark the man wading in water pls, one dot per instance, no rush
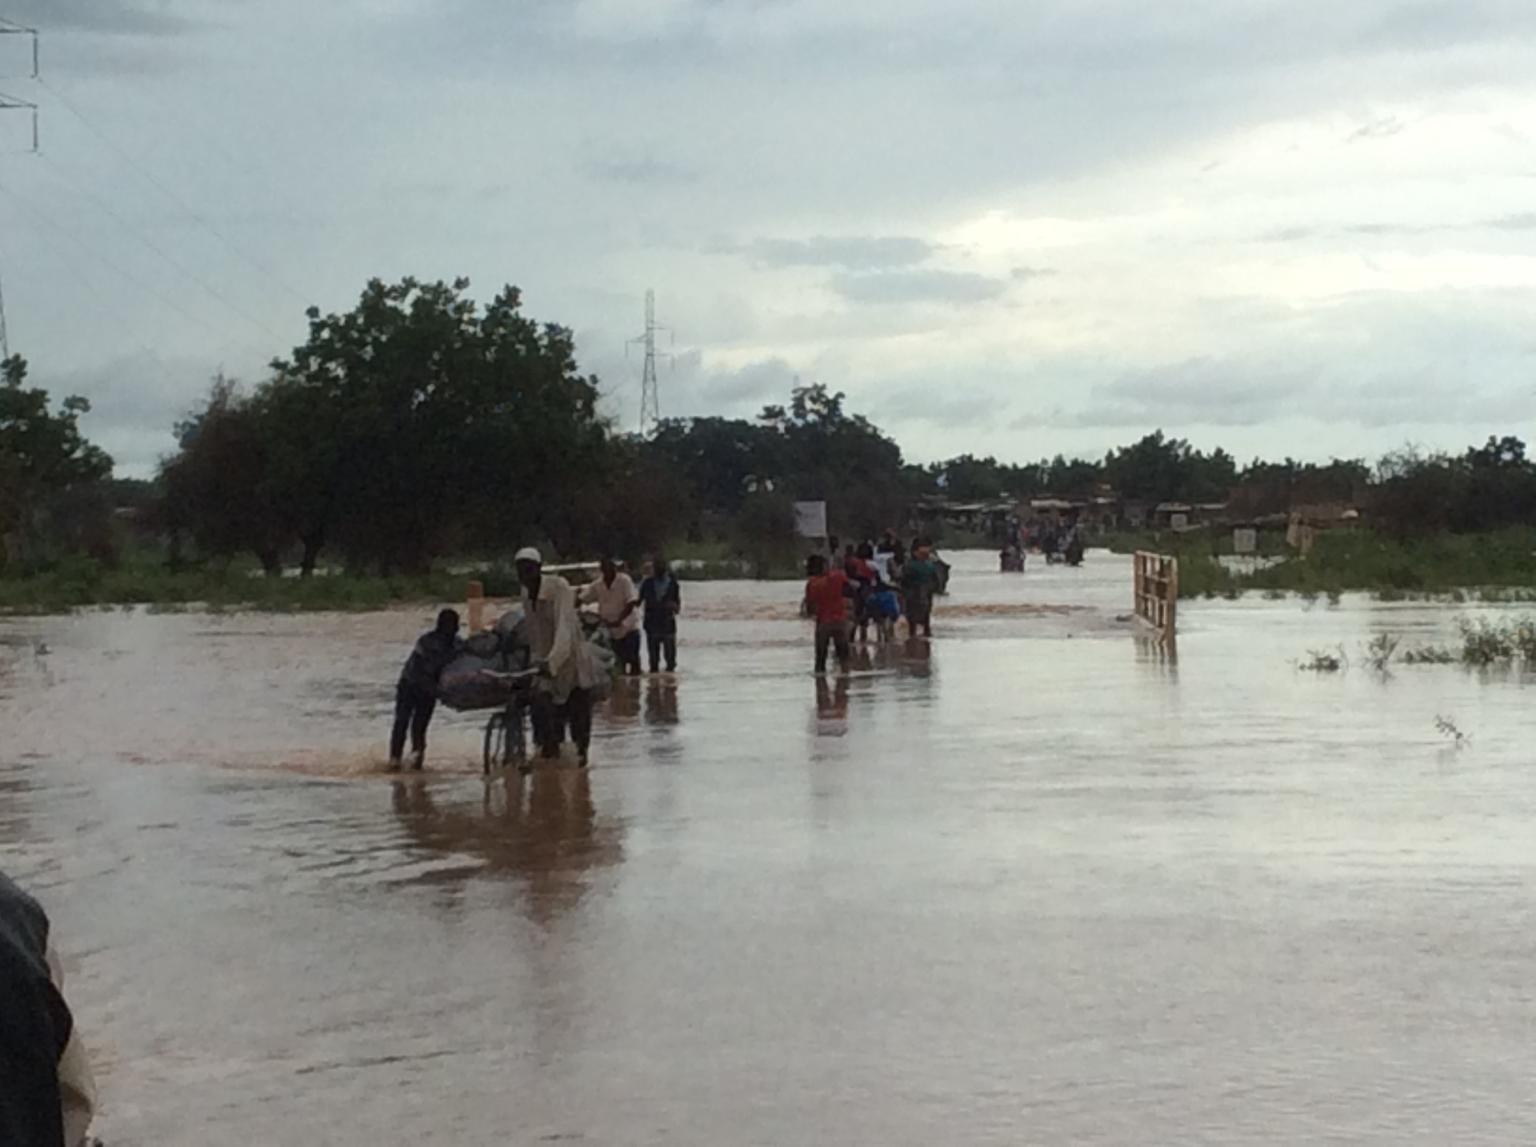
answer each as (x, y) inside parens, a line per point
(826, 599)
(920, 581)
(568, 672)
(416, 695)
(617, 602)
(662, 598)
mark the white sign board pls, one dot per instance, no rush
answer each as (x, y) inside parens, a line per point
(1178, 521)
(811, 519)
(1245, 541)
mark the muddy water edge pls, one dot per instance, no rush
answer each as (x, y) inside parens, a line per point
(1029, 883)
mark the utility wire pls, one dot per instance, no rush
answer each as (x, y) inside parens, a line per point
(112, 213)
(170, 193)
(69, 265)
(148, 288)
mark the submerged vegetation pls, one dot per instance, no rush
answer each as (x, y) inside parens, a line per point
(1484, 642)
(1491, 567)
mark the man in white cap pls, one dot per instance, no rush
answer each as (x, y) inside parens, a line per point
(557, 647)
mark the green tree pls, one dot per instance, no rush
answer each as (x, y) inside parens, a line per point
(415, 424)
(722, 459)
(1159, 469)
(824, 453)
(45, 461)
(218, 487)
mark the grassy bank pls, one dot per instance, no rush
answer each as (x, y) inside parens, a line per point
(83, 584)
(1499, 566)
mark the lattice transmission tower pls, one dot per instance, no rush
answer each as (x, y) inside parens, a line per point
(650, 390)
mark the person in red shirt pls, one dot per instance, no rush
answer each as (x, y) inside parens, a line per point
(826, 600)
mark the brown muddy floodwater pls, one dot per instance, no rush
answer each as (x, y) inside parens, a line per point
(1030, 885)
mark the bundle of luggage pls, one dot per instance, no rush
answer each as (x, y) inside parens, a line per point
(495, 665)
(484, 674)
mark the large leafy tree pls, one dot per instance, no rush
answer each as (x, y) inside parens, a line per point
(723, 459)
(45, 461)
(825, 453)
(1158, 468)
(416, 423)
(218, 487)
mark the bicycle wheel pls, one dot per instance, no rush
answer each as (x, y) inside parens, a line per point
(495, 742)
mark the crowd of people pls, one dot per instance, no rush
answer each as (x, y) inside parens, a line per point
(566, 673)
(851, 592)
(870, 586)
(1060, 540)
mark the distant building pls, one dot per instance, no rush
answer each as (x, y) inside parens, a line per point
(989, 518)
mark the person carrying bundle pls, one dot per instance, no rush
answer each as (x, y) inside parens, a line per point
(569, 673)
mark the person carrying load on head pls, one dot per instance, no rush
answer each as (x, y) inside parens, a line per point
(568, 670)
(618, 608)
(416, 693)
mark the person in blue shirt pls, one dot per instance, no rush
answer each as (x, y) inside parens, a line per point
(661, 599)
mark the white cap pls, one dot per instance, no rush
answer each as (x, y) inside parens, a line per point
(527, 554)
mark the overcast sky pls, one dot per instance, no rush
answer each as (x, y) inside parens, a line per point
(1282, 226)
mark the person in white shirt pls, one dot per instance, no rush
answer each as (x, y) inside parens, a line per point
(568, 670)
(618, 608)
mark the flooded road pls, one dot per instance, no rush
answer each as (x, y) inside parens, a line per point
(1031, 884)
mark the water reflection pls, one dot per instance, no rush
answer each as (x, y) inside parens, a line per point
(916, 658)
(542, 830)
(14, 822)
(831, 703)
(1160, 654)
(624, 702)
(661, 702)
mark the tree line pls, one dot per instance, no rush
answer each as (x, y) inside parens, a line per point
(420, 424)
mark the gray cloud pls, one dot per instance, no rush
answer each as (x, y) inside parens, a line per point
(942, 405)
(586, 149)
(1313, 374)
(918, 286)
(851, 252)
(639, 169)
(1208, 391)
(1382, 128)
(1521, 221)
(136, 402)
(111, 17)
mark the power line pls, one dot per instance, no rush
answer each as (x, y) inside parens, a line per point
(15, 103)
(164, 189)
(147, 287)
(11, 28)
(5, 343)
(176, 264)
(68, 264)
